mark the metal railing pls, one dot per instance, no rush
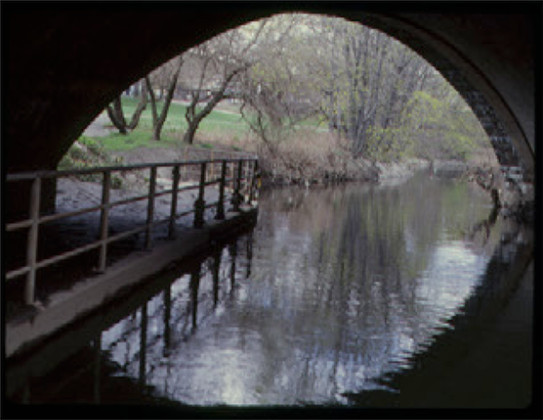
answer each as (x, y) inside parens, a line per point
(243, 183)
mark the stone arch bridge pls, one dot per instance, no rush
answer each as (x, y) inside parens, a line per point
(65, 63)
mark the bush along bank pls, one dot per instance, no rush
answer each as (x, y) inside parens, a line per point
(288, 166)
(334, 167)
(317, 158)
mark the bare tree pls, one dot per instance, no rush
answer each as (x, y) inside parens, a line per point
(367, 80)
(167, 76)
(279, 92)
(291, 67)
(116, 114)
(219, 61)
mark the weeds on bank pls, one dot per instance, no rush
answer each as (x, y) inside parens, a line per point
(87, 152)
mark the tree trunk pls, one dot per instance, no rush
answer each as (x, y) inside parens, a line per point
(194, 118)
(190, 133)
(116, 115)
(139, 110)
(159, 120)
(152, 98)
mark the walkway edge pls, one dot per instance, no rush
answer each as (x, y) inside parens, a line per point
(87, 295)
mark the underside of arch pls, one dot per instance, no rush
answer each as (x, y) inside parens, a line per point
(64, 65)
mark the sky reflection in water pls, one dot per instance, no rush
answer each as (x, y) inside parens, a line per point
(332, 290)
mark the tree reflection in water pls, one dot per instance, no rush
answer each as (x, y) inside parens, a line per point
(332, 299)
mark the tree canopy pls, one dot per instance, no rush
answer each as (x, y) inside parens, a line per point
(356, 82)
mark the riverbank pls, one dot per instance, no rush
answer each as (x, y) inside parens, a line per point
(328, 161)
(300, 166)
(282, 170)
(306, 157)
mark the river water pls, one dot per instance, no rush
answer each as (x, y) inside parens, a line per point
(410, 295)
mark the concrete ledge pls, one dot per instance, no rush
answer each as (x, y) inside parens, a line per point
(87, 295)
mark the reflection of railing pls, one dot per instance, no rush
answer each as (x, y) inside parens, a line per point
(192, 315)
(155, 320)
(243, 188)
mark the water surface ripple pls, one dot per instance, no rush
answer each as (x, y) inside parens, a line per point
(336, 297)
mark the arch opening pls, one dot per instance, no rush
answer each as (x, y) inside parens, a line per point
(400, 81)
(487, 58)
(90, 86)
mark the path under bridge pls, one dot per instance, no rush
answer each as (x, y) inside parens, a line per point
(114, 226)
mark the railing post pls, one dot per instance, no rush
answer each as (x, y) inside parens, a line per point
(199, 204)
(247, 189)
(212, 166)
(150, 208)
(175, 188)
(253, 182)
(220, 204)
(236, 197)
(32, 241)
(243, 183)
(104, 221)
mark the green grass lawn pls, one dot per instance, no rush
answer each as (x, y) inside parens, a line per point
(216, 123)
(140, 137)
(219, 123)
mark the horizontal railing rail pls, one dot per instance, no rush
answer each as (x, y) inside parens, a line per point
(29, 175)
(244, 172)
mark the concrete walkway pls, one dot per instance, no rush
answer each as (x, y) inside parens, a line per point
(88, 294)
(63, 235)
